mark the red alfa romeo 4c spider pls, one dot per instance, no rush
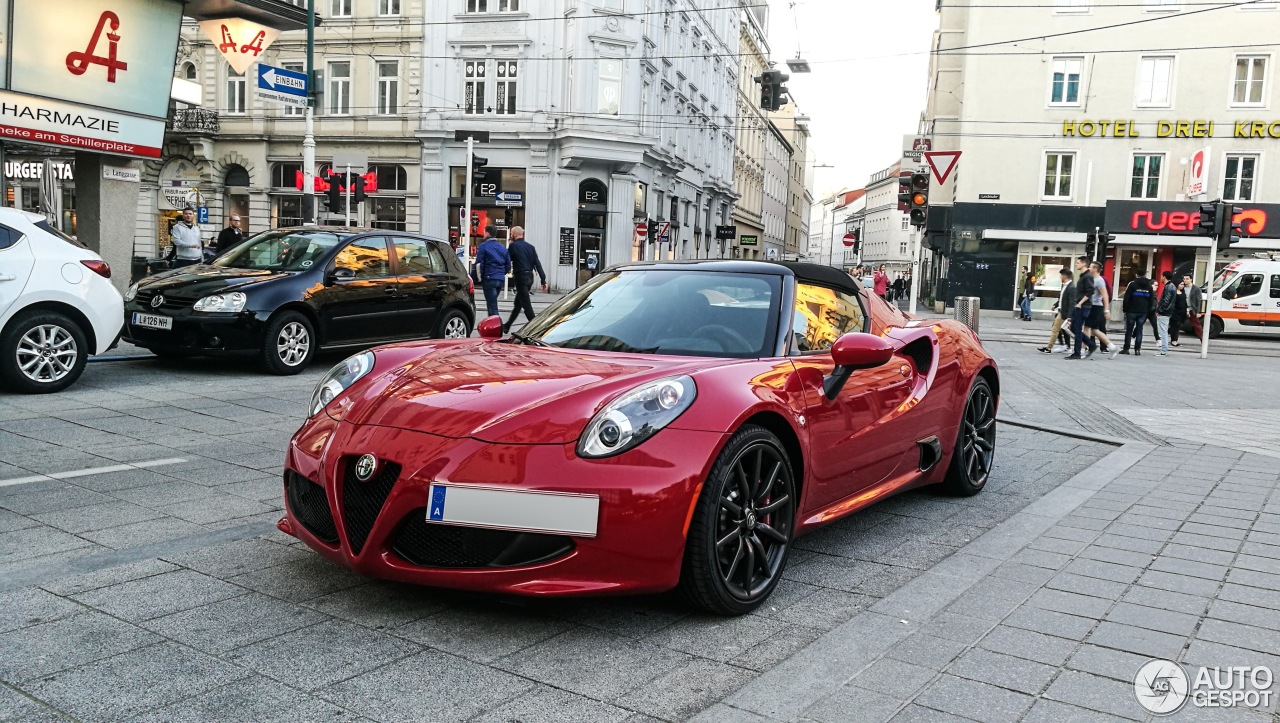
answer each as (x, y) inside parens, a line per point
(668, 425)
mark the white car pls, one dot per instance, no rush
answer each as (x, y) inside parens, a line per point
(57, 305)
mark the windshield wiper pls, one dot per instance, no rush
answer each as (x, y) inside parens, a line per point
(529, 341)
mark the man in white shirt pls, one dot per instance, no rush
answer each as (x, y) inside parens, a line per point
(186, 239)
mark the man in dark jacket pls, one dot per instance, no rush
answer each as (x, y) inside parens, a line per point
(493, 263)
(1180, 308)
(1195, 299)
(524, 259)
(1165, 310)
(229, 236)
(1066, 302)
(1138, 296)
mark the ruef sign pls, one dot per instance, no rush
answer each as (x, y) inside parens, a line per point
(1257, 220)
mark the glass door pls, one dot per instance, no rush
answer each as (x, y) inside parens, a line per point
(1130, 263)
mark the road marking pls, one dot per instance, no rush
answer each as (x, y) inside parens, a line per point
(90, 471)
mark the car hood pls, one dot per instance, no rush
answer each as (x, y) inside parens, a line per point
(201, 280)
(503, 392)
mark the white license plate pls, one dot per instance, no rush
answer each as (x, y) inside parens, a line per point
(521, 510)
(152, 321)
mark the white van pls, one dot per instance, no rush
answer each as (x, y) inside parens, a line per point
(1249, 300)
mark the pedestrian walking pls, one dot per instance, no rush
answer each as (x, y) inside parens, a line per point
(881, 283)
(189, 249)
(524, 262)
(1165, 309)
(1195, 298)
(1179, 312)
(1138, 298)
(899, 284)
(492, 265)
(1028, 293)
(229, 237)
(1102, 290)
(1092, 310)
(1066, 302)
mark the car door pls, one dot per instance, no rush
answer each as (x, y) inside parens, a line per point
(1273, 304)
(859, 445)
(17, 259)
(1246, 301)
(422, 280)
(363, 307)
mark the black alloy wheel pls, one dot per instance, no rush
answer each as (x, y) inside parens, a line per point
(976, 444)
(742, 526)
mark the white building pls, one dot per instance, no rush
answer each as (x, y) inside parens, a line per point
(886, 231)
(600, 117)
(1078, 136)
(795, 129)
(777, 192)
(830, 220)
(749, 154)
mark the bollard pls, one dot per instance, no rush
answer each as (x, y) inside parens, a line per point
(967, 308)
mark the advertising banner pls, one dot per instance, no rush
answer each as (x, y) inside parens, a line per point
(51, 122)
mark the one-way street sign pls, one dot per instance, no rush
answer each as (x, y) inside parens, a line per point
(282, 86)
(509, 198)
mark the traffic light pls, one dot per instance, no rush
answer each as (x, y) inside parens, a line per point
(904, 193)
(653, 232)
(477, 167)
(334, 194)
(1209, 219)
(919, 199)
(1232, 229)
(773, 94)
(765, 80)
(1096, 245)
(356, 181)
(857, 241)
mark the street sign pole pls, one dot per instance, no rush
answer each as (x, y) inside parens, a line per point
(348, 203)
(466, 216)
(1224, 212)
(309, 140)
(916, 239)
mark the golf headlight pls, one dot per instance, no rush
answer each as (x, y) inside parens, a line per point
(339, 379)
(132, 293)
(636, 416)
(231, 302)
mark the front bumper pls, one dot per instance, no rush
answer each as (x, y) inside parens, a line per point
(198, 333)
(646, 498)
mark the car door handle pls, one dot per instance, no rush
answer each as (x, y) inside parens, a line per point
(8, 277)
(389, 290)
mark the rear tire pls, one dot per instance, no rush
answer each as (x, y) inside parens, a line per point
(975, 443)
(42, 352)
(1216, 327)
(288, 345)
(453, 325)
(735, 552)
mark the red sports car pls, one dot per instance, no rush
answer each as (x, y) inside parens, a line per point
(664, 425)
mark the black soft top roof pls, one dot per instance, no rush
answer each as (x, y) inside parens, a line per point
(825, 275)
(811, 273)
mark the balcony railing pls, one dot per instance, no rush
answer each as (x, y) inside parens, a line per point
(194, 120)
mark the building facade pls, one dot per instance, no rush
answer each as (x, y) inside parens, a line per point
(1070, 143)
(749, 152)
(886, 231)
(794, 127)
(777, 191)
(830, 220)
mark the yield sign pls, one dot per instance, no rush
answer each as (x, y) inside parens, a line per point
(947, 159)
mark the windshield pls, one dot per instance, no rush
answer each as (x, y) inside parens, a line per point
(280, 251)
(1225, 277)
(683, 313)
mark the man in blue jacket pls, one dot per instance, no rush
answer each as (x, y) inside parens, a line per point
(493, 263)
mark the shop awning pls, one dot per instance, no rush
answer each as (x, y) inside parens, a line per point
(1060, 237)
(1199, 242)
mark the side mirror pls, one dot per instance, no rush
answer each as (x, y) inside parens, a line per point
(341, 274)
(852, 352)
(490, 328)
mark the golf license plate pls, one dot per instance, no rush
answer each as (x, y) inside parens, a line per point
(152, 321)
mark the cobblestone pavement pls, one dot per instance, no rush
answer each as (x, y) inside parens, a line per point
(141, 575)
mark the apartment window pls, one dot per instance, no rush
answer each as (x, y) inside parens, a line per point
(1241, 173)
(1145, 181)
(1155, 82)
(473, 87)
(485, 6)
(610, 89)
(285, 175)
(340, 88)
(902, 248)
(388, 8)
(235, 93)
(339, 8)
(906, 223)
(1065, 85)
(388, 87)
(293, 110)
(1058, 168)
(1071, 6)
(505, 87)
(1251, 75)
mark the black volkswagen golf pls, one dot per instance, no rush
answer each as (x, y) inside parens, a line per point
(286, 293)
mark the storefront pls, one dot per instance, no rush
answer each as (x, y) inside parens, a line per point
(486, 206)
(24, 175)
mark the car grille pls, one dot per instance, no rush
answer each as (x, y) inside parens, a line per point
(309, 506)
(362, 501)
(434, 545)
(144, 298)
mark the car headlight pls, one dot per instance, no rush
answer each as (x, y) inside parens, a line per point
(231, 302)
(636, 416)
(132, 293)
(339, 379)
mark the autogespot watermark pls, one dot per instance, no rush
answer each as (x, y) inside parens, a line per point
(1163, 687)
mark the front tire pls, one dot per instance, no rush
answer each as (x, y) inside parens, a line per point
(289, 344)
(742, 526)
(42, 352)
(453, 325)
(975, 443)
(1216, 327)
